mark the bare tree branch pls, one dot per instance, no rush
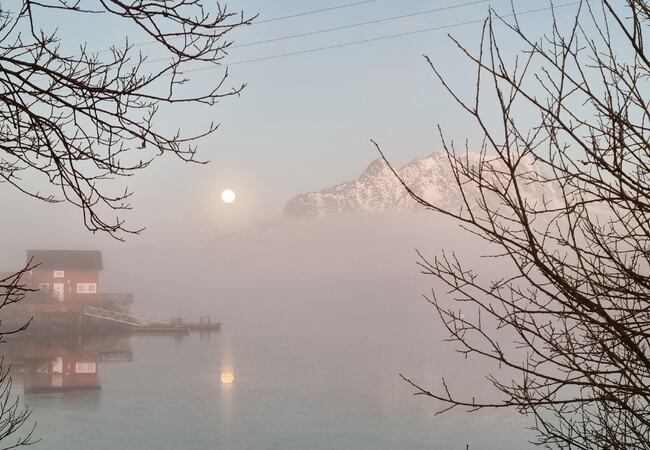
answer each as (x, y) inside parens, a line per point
(570, 314)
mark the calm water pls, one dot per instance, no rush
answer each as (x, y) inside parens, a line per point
(318, 323)
(257, 392)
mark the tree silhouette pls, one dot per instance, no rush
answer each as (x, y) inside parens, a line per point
(79, 120)
(570, 314)
(13, 418)
(73, 122)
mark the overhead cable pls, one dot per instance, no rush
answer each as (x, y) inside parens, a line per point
(315, 11)
(378, 38)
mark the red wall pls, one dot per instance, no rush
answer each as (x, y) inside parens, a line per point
(70, 280)
(48, 379)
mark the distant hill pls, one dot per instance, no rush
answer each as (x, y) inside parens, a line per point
(378, 190)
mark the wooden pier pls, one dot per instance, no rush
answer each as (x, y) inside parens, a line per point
(178, 326)
(53, 319)
(204, 324)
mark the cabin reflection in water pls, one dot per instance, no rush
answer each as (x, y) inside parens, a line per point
(63, 373)
(60, 367)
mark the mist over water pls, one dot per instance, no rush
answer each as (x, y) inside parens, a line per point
(282, 396)
(281, 297)
(319, 319)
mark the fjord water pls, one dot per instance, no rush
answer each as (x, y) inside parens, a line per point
(285, 394)
(319, 319)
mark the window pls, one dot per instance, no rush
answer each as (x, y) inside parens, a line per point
(44, 287)
(59, 274)
(85, 367)
(86, 288)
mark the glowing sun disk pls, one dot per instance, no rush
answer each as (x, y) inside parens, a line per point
(228, 196)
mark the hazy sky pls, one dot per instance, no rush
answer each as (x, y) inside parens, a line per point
(304, 121)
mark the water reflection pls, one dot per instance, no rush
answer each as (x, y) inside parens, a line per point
(230, 392)
(227, 377)
(62, 365)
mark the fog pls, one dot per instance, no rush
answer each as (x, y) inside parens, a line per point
(350, 281)
(206, 239)
(323, 307)
(312, 320)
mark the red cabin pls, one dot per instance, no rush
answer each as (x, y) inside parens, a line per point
(68, 276)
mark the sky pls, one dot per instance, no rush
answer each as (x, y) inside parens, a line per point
(304, 122)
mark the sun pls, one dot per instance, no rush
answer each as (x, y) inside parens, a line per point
(228, 196)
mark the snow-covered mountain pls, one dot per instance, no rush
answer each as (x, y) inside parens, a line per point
(378, 190)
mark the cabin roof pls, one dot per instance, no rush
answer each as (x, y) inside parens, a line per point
(66, 259)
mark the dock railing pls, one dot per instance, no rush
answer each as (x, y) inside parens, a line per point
(134, 317)
(150, 316)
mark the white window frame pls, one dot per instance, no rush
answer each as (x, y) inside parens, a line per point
(85, 367)
(86, 288)
(58, 274)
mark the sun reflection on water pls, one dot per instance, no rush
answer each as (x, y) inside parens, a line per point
(227, 377)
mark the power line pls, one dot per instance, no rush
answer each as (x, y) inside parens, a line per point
(315, 11)
(273, 19)
(360, 24)
(378, 38)
(344, 27)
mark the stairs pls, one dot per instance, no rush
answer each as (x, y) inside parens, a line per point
(134, 317)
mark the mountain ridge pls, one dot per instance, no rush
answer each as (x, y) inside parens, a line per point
(377, 189)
